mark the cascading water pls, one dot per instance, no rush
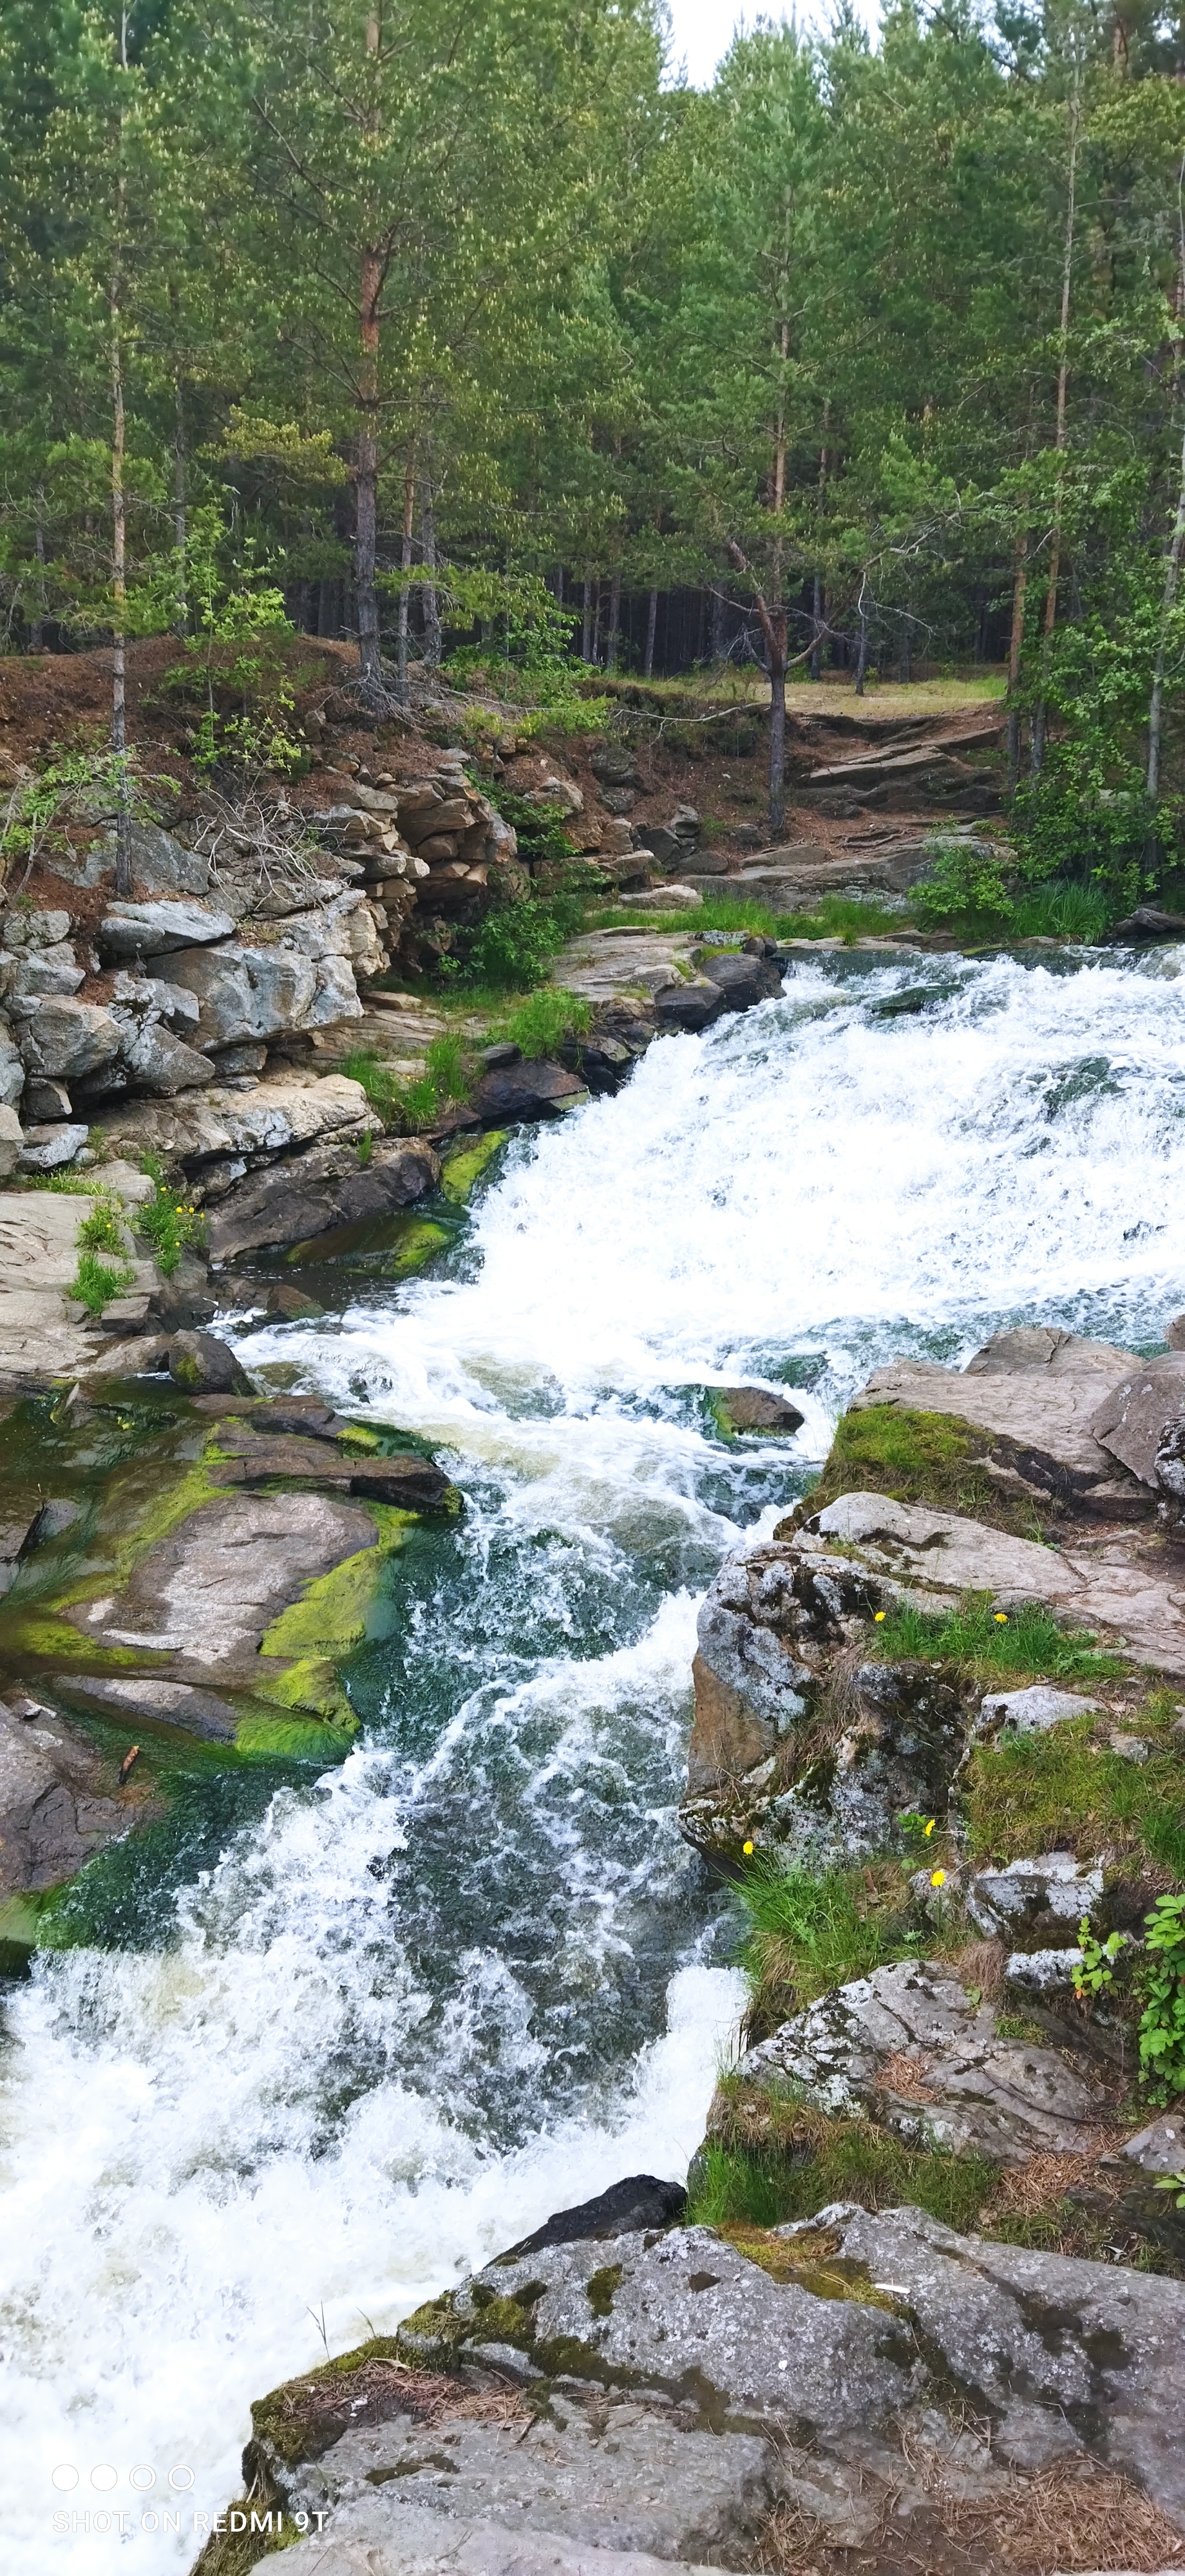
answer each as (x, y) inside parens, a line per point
(470, 1977)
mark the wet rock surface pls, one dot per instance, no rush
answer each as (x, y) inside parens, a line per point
(56, 1806)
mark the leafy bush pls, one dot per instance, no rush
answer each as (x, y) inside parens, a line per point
(538, 829)
(1162, 2026)
(513, 946)
(102, 1230)
(965, 882)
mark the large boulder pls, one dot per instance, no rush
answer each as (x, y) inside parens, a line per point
(910, 2045)
(1039, 1393)
(44, 1333)
(162, 864)
(64, 1038)
(60, 1800)
(296, 973)
(1142, 1414)
(851, 2370)
(317, 1192)
(531, 1089)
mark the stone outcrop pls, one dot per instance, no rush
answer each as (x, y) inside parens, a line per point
(1040, 1392)
(220, 1135)
(294, 1200)
(44, 1333)
(60, 1802)
(910, 2046)
(610, 2406)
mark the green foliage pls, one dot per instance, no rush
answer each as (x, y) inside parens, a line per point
(545, 1022)
(1162, 2024)
(805, 1934)
(96, 1282)
(102, 1230)
(1095, 1971)
(965, 883)
(1058, 910)
(406, 1108)
(994, 1643)
(851, 2160)
(76, 796)
(513, 946)
(539, 829)
(167, 1221)
(236, 655)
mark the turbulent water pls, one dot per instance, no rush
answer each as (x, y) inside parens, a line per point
(474, 1975)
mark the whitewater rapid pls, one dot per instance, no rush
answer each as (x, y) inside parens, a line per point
(474, 1975)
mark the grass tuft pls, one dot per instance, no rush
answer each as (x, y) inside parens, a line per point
(1019, 1644)
(805, 1934)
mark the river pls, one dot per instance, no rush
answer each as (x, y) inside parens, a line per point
(474, 1975)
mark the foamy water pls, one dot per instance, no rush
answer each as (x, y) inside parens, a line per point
(472, 1976)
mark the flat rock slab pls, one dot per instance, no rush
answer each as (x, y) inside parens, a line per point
(415, 1484)
(180, 1704)
(1139, 1601)
(1032, 1710)
(607, 965)
(43, 1333)
(207, 1593)
(1133, 1417)
(910, 2044)
(283, 1111)
(1047, 1415)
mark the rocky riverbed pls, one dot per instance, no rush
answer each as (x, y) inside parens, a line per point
(349, 1640)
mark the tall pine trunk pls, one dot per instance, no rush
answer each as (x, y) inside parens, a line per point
(613, 638)
(1049, 622)
(1172, 561)
(367, 481)
(119, 567)
(651, 628)
(409, 514)
(180, 516)
(586, 622)
(1015, 649)
(431, 604)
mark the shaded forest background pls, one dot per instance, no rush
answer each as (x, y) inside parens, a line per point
(449, 327)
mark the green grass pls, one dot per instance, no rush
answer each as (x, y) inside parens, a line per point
(96, 1282)
(987, 1645)
(1065, 1790)
(544, 1022)
(1057, 911)
(404, 1108)
(167, 1221)
(805, 1934)
(734, 2185)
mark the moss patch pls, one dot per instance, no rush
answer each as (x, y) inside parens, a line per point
(463, 1170)
(811, 2263)
(332, 1614)
(601, 2288)
(924, 1458)
(296, 1739)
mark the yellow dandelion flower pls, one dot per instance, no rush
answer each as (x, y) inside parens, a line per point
(1001, 1618)
(938, 1878)
(931, 1825)
(746, 1848)
(878, 1615)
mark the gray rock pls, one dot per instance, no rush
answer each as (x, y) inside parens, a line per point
(743, 980)
(287, 1110)
(1031, 1711)
(755, 1408)
(1044, 1899)
(163, 1065)
(33, 929)
(691, 1005)
(1160, 2148)
(249, 991)
(316, 1192)
(909, 2044)
(11, 1140)
(65, 1038)
(12, 1071)
(1082, 2355)
(1042, 1412)
(41, 970)
(361, 2541)
(200, 1362)
(1036, 1975)
(206, 1595)
(1174, 1333)
(531, 1090)
(1132, 1418)
(150, 929)
(44, 1101)
(1031, 1348)
(49, 1149)
(58, 1801)
(163, 865)
(1131, 1748)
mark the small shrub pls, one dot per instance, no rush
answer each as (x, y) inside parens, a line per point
(965, 883)
(382, 1087)
(513, 946)
(544, 1022)
(446, 1068)
(102, 1230)
(919, 1457)
(1061, 911)
(1162, 2025)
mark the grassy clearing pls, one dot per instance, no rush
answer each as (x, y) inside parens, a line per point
(1066, 1790)
(992, 1645)
(921, 1458)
